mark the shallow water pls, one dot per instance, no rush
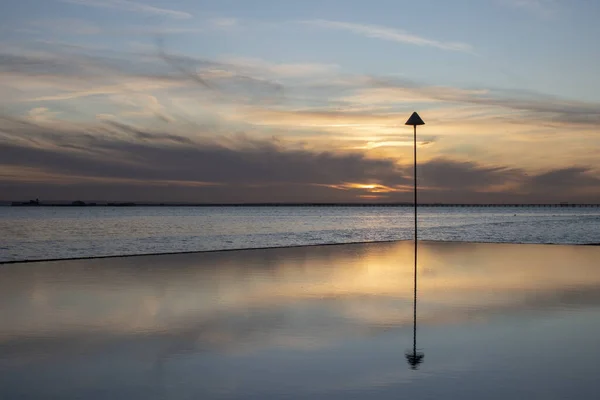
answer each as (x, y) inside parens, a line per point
(30, 233)
(495, 321)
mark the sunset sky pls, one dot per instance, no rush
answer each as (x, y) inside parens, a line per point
(299, 101)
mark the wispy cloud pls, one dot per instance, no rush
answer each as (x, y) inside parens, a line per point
(132, 6)
(541, 8)
(391, 34)
(224, 23)
(84, 27)
(115, 89)
(72, 26)
(315, 106)
(261, 67)
(539, 107)
(42, 114)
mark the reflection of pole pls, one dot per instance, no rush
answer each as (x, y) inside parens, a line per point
(415, 358)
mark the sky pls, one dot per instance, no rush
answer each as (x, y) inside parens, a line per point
(235, 101)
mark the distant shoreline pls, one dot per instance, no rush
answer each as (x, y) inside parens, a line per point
(132, 204)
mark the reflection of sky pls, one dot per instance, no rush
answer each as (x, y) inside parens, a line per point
(332, 320)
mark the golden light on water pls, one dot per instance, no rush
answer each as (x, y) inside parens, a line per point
(371, 283)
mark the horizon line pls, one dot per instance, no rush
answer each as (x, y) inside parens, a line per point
(79, 203)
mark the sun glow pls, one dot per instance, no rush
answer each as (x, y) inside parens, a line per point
(368, 187)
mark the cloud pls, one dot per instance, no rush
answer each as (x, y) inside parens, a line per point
(121, 151)
(132, 161)
(103, 90)
(286, 70)
(541, 8)
(539, 107)
(410, 93)
(449, 174)
(244, 80)
(224, 23)
(390, 34)
(141, 105)
(315, 118)
(72, 26)
(63, 76)
(564, 179)
(42, 114)
(480, 140)
(84, 27)
(132, 6)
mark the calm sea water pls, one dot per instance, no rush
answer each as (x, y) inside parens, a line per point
(495, 321)
(30, 233)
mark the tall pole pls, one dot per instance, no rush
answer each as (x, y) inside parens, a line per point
(415, 272)
(414, 358)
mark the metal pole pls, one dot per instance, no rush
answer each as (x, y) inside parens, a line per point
(415, 207)
(415, 358)
(415, 182)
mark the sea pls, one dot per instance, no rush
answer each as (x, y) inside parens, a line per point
(493, 321)
(44, 233)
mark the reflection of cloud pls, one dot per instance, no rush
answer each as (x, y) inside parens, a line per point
(300, 298)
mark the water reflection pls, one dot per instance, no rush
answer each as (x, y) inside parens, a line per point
(321, 321)
(414, 357)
